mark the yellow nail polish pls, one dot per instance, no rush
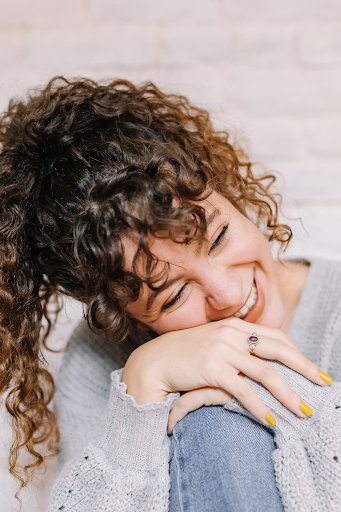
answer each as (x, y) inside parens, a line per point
(270, 419)
(325, 377)
(306, 409)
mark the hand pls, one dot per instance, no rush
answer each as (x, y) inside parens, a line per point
(209, 362)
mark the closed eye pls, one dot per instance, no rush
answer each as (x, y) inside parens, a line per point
(174, 300)
(219, 240)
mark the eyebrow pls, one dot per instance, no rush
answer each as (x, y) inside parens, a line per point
(152, 296)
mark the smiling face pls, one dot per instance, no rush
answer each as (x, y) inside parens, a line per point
(210, 284)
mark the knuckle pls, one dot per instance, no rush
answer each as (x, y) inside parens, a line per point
(282, 391)
(208, 398)
(232, 321)
(244, 392)
(291, 396)
(279, 348)
(225, 332)
(279, 334)
(309, 366)
(286, 338)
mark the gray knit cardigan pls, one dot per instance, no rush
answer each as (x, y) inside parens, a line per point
(114, 453)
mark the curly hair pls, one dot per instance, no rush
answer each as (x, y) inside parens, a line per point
(83, 164)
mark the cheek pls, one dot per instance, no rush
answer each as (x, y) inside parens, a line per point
(247, 243)
(184, 318)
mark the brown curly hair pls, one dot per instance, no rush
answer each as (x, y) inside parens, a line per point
(81, 165)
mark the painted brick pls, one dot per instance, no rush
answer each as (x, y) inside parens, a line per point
(323, 136)
(321, 45)
(13, 46)
(178, 11)
(263, 45)
(291, 10)
(322, 225)
(41, 13)
(98, 47)
(275, 137)
(242, 45)
(284, 92)
(310, 179)
(185, 46)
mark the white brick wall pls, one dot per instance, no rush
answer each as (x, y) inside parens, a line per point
(269, 71)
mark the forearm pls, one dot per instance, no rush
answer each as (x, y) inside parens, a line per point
(127, 467)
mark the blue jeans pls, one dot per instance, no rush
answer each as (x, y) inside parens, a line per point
(220, 461)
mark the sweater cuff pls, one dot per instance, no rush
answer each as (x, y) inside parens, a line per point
(322, 399)
(135, 436)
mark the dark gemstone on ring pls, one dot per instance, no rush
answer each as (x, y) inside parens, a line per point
(253, 338)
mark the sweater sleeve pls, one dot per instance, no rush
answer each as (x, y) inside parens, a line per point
(307, 460)
(126, 467)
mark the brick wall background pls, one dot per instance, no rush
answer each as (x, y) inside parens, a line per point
(269, 71)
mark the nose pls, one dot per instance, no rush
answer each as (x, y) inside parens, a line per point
(224, 290)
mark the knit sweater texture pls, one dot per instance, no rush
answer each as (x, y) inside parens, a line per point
(114, 453)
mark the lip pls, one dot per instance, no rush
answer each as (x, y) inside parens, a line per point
(240, 307)
(259, 306)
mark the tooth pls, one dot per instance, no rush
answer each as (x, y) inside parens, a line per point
(249, 304)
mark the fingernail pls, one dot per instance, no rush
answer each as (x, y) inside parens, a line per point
(306, 409)
(325, 377)
(270, 419)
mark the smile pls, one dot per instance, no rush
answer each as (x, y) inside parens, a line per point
(251, 301)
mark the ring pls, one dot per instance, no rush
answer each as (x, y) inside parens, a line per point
(252, 340)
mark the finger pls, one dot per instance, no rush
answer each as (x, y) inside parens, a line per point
(245, 394)
(273, 348)
(263, 372)
(277, 349)
(271, 332)
(194, 399)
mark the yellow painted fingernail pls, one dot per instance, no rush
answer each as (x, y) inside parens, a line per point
(270, 419)
(325, 377)
(306, 409)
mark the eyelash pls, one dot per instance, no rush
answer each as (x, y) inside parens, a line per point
(219, 240)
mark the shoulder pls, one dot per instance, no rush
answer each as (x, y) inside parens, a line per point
(318, 323)
(324, 286)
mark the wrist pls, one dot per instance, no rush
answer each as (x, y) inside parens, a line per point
(141, 388)
(135, 436)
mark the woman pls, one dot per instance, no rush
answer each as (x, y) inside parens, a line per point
(126, 199)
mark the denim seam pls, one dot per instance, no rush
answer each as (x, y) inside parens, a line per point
(175, 456)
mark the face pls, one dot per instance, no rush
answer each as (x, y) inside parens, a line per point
(210, 284)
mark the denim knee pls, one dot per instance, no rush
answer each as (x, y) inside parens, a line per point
(221, 460)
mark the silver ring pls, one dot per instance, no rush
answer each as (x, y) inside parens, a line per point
(253, 341)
